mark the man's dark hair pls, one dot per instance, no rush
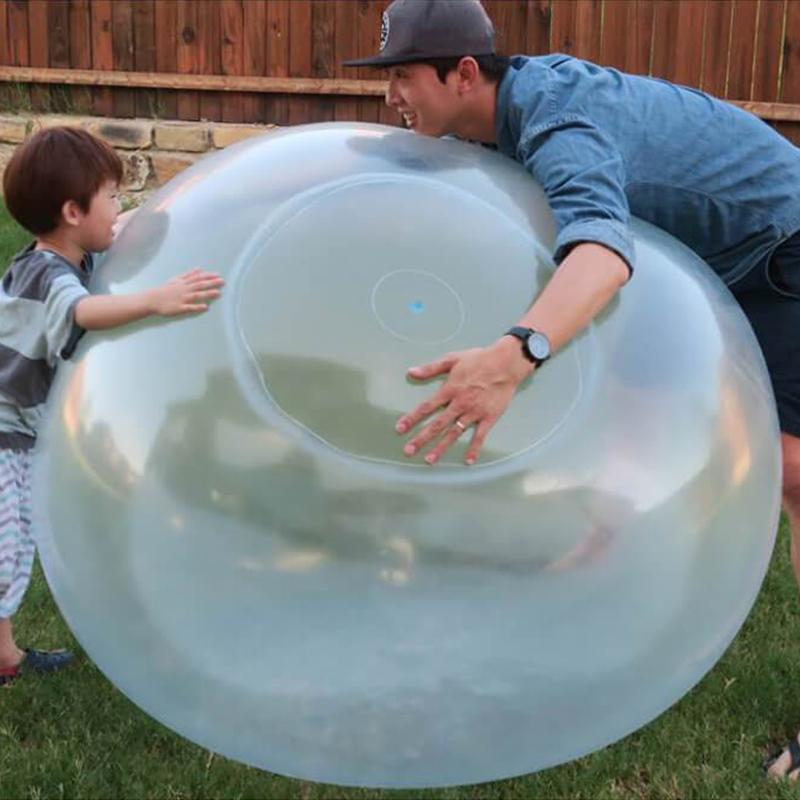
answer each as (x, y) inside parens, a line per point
(493, 67)
(53, 166)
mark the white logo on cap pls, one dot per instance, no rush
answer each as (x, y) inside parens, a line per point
(384, 30)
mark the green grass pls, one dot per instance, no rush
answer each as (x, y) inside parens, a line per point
(74, 735)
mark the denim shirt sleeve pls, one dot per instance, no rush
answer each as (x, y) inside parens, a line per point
(583, 175)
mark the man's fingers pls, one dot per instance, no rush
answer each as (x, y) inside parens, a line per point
(457, 429)
(478, 438)
(431, 431)
(434, 368)
(406, 423)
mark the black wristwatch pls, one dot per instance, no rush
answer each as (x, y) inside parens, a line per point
(535, 345)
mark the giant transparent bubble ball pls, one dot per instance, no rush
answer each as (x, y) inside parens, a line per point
(230, 527)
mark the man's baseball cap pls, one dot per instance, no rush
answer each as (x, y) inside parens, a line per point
(416, 30)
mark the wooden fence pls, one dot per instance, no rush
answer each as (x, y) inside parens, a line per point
(287, 54)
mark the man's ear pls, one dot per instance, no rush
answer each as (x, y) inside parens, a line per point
(71, 213)
(468, 73)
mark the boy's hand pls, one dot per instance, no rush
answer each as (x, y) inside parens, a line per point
(188, 293)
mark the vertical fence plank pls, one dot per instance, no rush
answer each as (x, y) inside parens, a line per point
(716, 59)
(537, 28)
(740, 72)
(510, 18)
(122, 48)
(790, 80)
(8, 98)
(588, 29)
(627, 35)
(188, 102)
(102, 54)
(80, 49)
(687, 48)
(618, 25)
(5, 46)
(58, 33)
(299, 56)
(790, 76)
(640, 48)
(18, 34)
(166, 38)
(18, 50)
(80, 34)
(665, 32)
(232, 56)
(369, 31)
(276, 107)
(39, 50)
(346, 47)
(323, 55)
(58, 46)
(768, 50)
(255, 35)
(209, 54)
(144, 54)
(562, 26)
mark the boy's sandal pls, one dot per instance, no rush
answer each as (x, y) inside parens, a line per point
(38, 662)
(794, 754)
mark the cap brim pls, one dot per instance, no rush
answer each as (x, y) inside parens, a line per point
(375, 61)
(390, 61)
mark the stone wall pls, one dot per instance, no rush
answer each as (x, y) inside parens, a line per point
(152, 151)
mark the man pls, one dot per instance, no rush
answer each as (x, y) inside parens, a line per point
(604, 145)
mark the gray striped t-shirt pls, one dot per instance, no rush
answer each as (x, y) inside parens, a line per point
(37, 329)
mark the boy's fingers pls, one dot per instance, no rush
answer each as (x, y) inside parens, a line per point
(209, 294)
(206, 281)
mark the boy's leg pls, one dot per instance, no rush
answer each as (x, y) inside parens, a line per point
(10, 654)
(16, 548)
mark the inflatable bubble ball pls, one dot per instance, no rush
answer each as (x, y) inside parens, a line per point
(231, 529)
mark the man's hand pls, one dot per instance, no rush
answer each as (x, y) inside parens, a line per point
(481, 382)
(480, 385)
(188, 293)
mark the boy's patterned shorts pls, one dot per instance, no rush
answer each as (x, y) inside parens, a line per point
(16, 542)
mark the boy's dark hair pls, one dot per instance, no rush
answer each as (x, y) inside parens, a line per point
(53, 166)
(493, 67)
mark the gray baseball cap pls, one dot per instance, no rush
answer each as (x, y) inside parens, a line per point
(416, 30)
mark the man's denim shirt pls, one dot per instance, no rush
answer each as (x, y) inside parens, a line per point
(605, 145)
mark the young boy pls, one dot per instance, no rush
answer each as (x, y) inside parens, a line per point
(603, 145)
(61, 186)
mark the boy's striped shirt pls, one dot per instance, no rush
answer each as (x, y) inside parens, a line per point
(37, 328)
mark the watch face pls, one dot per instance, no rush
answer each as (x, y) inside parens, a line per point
(539, 346)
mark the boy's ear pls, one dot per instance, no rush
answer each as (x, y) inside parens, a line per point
(71, 213)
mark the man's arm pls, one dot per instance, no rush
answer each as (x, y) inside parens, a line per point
(482, 382)
(580, 288)
(583, 176)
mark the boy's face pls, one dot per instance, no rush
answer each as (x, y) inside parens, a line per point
(96, 228)
(427, 105)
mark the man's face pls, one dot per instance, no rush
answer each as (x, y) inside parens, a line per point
(426, 104)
